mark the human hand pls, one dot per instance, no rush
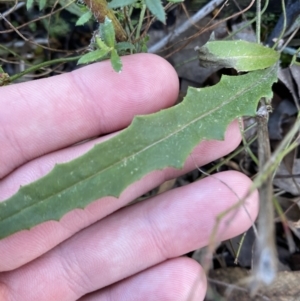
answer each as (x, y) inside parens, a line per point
(100, 253)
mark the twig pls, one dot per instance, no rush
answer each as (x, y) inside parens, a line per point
(16, 30)
(21, 43)
(208, 8)
(265, 258)
(207, 28)
(14, 8)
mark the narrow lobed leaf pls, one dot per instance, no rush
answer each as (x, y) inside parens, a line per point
(123, 46)
(116, 61)
(84, 18)
(93, 56)
(107, 32)
(240, 55)
(151, 142)
(102, 45)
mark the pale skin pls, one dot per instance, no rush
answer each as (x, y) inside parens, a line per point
(129, 254)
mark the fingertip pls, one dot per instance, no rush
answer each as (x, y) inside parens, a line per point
(156, 67)
(157, 76)
(146, 84)
(195, 277)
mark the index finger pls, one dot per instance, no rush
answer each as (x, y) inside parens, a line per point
(42, 116)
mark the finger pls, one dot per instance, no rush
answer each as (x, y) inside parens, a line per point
(175, 279)
(45, 115)
(136, 238)
(45, 236)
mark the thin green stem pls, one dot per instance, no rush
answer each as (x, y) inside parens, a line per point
(141, 20)
(282, 150)
(42, 65)
(284, 25)
(248, 23)
(129, 27)
(246, 144)
(228, 158)
(238, 252)
(284, 221)
(11, 51)
(294, 59)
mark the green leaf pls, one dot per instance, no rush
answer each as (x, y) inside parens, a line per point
(102, 45)
(123, 46)
(84, 18)
(240, 55)
(120, 3)
(156, 9)
(152, 142)
(107, 32)
(73, 8)
(42, 4)
(29, 4)
(175, 1)
(93, 56)
(116, 61)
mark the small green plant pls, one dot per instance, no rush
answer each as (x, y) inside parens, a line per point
(107, 47)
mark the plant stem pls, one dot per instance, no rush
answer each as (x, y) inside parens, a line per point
(246, 145)
(44, 64)
(248, 23)
(265, 256)
(283, 25)
(265, 259)
(142, 14)
(228, 158)
(100, 10)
